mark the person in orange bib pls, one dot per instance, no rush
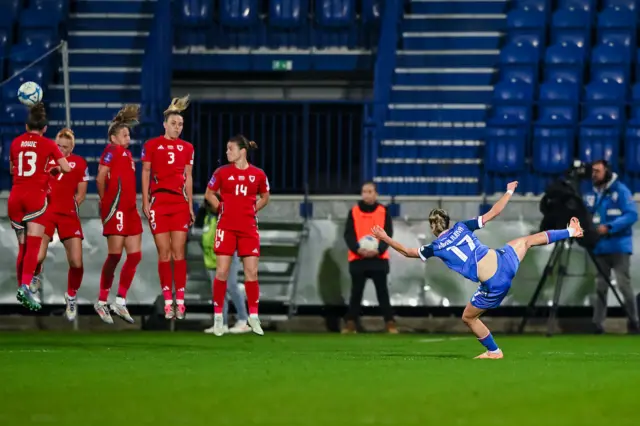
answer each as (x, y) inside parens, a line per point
(368, 257)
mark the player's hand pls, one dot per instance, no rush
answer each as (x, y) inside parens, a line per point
(362, 252)
(372, 253)
(602, 229)
(379, 232)
(146, 210)
(193, 217)
(511, 186)
(55, 171)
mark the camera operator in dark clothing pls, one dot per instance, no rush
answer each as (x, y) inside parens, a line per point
(368, 263)
(614, 213)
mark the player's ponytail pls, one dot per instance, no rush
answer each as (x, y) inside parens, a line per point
(244, 143)
(439, 221)
(178, 105)
(37, 119)
(68, 134)
(128, 117)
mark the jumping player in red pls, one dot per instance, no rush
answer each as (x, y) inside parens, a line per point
(167, 202)
(238, 185)
(27, 205)
(121, 223)
(67, 192)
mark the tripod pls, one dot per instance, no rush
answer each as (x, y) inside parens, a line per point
(556, 258)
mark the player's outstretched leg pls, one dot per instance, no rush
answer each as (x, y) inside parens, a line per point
(471, 317)
(523, 244)
(126, 278)
(106, 281)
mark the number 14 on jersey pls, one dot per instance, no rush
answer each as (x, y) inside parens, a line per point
(241, 189)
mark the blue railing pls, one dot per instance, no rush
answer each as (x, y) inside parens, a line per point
(156, 66)
(383, 79)
(302, 146)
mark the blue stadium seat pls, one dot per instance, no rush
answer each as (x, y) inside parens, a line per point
(634, 118)
(564, 62)
(553, 149)
(335, 20)
(537, 5)
(610, 62)
(622, 4)
(288, 24)
(55, 8)
(193, 20)
(239, 20)
(526, 26)
(632, 151)
(597, 143)
(14, 113)
(505, 149)
(512, 93)
(23, 55)
(5, 42)
(39, 28)
(558, 104)
(370, 16)
(519, 62)
(618, 26)
(603, 104)
(571, 26)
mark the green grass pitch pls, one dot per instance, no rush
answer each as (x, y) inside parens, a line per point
(135, 378)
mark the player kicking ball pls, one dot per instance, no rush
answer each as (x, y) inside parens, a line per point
(494, 269)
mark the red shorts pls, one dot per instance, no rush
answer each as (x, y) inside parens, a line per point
(67, 224)
(121, 222)
(26, 205)
(169, 213)
(246, 243)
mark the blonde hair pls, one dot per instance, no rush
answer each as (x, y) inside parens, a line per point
(177, 106)
(68, 134)
(127, 117)
(439, 221)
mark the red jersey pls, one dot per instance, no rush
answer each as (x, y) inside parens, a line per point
(168, 160)
(62, 198)
(238, 190)
(120, 185)
(30, 154)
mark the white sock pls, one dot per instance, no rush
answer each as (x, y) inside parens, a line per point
(121, 301)
(180, 301)
(496, 351)
(572, 231)
(168, 302)
(254, 316)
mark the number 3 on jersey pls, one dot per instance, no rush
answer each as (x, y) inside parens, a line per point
(31, 158)
(172, 158)
(467, 239)
(241, 189)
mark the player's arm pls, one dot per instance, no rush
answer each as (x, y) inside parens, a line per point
(264, 191)
(101, 179)
(500, 205)
(188, 169)
(146, 178)
(381, 234)
(10, 166)
(212, 187)
(81, 190)
(59, 157)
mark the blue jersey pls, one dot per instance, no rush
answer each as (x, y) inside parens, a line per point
(458, 248)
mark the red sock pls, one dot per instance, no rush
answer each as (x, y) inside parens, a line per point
(128, 272)
(180, 277)
(39, 268)
(106, 278)
(19, 261)
(74, 279)
(164, 272)
(30, 258)
(219, 293)
(253, 296)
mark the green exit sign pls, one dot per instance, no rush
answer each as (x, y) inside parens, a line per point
(282, 65)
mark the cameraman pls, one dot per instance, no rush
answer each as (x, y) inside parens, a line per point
(614, 213)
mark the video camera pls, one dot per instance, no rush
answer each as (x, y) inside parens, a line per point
(562, 200)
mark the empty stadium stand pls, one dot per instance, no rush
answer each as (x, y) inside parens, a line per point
(467, 95)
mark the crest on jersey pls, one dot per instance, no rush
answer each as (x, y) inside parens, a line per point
(108, 158)
(217, 244)
(119, 227)
(252, 179)
(153, 226)
(180, 147)
(72, 164)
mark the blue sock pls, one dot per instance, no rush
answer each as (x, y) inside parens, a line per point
(489, 343)
(557, 235)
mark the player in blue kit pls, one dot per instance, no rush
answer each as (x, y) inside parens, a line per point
(494, 269)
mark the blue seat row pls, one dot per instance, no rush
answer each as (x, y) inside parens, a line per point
(276, 24)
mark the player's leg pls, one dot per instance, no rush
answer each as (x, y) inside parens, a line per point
(523, 244)
(115, 245)
(249, 252)
(178, 245)
(225, 247)
(20, 236)
(15, 212)
(133, 247)
(238, 298)
(471, 317)
(42, 255)
(358, 282)
(35, 226)
(73, 248)
(379, 279)
(163, 246)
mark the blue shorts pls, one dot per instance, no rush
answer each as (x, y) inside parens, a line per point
(491, 293)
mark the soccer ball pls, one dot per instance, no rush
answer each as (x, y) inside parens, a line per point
(30, 93)
(368, 242)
